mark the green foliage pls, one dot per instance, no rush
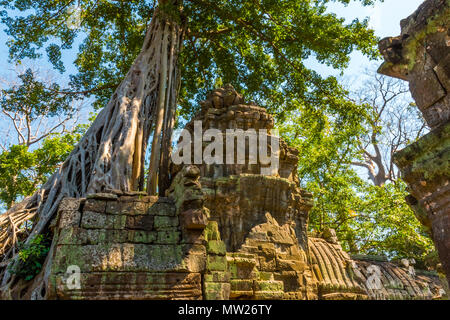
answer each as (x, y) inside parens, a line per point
(34, 98)
(258, 46)
(14, 177)
(23, 170)
(26, 165)
(368, 219)
(31, 257)
(394, 230)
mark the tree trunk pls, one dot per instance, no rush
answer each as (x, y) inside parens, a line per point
(169, 119)
(111, 154)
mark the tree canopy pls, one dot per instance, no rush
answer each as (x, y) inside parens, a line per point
(369, 217)
(258, 46)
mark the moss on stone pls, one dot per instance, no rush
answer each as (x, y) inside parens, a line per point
(429, 156)
(432, 26)
(265, 276)
(162, 222)
(212, 231)
(216, 290)
(216, 263)
(216, 247)
(168, 237)
(269, 285)
(217, 276)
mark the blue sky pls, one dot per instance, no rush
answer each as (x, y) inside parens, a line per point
(384, 18)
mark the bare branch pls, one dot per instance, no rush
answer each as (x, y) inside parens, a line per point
(391, 126)
(19, 132)
(49, 132)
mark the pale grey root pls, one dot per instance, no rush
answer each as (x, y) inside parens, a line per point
(111, 153)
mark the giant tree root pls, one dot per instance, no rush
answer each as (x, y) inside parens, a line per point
(111, 153)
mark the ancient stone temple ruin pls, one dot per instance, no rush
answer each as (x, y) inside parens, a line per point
(421, 56)
(222, 231)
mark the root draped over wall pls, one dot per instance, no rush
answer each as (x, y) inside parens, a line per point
(111, 154)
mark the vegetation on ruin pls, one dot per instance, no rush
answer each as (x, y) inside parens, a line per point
(260, 47)
(31, 257)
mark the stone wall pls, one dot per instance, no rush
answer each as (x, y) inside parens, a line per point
(397, 281)
(271, 265)
(344, 277)
(421, 56)
(333, 269)
(221, 232)
(126, 247)
(139, 247)
(262, 218)
(237, 195)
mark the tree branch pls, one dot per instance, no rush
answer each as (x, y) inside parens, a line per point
(85, 92)
(21, 137)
